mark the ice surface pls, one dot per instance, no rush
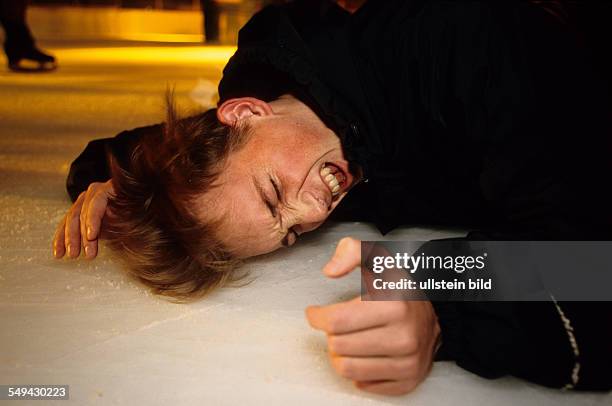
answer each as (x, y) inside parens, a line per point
(85, 324)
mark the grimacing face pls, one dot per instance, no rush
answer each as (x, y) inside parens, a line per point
(284, 181)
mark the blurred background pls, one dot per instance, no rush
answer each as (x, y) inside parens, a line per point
(86, 323)
(140, 20)
(115, 59)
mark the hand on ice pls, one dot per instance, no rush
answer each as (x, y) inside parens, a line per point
(384, 347)
(80, 228)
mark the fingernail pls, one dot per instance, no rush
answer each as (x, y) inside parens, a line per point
(87, 251)
(69, 250)
(89, 233)
(55, 252)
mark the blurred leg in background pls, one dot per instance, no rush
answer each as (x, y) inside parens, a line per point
(210, 8)
(19, 45)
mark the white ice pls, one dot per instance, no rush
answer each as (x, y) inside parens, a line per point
(86, 325)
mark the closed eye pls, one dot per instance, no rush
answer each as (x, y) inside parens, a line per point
(285, 240)
(264, 197)
(276, 190)
(271, 206)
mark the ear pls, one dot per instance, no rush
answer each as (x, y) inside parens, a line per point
(234, 110)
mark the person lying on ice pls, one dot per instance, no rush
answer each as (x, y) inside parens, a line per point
(475, 114)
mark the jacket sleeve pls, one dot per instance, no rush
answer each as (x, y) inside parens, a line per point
(537, 112)
(560, 345)
(92, 165)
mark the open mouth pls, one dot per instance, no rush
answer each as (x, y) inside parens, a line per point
(334, 177)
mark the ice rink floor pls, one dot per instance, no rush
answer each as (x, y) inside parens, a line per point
(86, 325)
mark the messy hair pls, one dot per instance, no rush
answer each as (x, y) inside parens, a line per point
(152, 223)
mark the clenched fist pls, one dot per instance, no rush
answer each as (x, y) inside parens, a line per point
(384, 347)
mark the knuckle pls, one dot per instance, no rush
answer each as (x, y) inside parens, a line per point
(397, 310)
(402, 310)
(407, 343)
(93, 187)
(404, 367)
(100, 193)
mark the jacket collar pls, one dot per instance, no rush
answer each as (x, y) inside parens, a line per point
(271, 40)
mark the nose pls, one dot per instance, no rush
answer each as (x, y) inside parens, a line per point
(311, 212)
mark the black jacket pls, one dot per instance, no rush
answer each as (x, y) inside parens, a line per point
(479, 114)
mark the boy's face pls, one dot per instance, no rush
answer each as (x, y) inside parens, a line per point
(278, 184)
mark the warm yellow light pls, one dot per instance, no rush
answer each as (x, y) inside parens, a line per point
(154, 55)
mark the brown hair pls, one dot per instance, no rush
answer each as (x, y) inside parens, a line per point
(152, 222)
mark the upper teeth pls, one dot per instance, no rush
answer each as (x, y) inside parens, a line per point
(330, 179)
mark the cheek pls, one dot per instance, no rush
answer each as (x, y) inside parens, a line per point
(297, 157)
(294, 162)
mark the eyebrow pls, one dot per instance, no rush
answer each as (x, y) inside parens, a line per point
(285, 241)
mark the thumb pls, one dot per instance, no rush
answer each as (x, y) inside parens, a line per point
(345, 259)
